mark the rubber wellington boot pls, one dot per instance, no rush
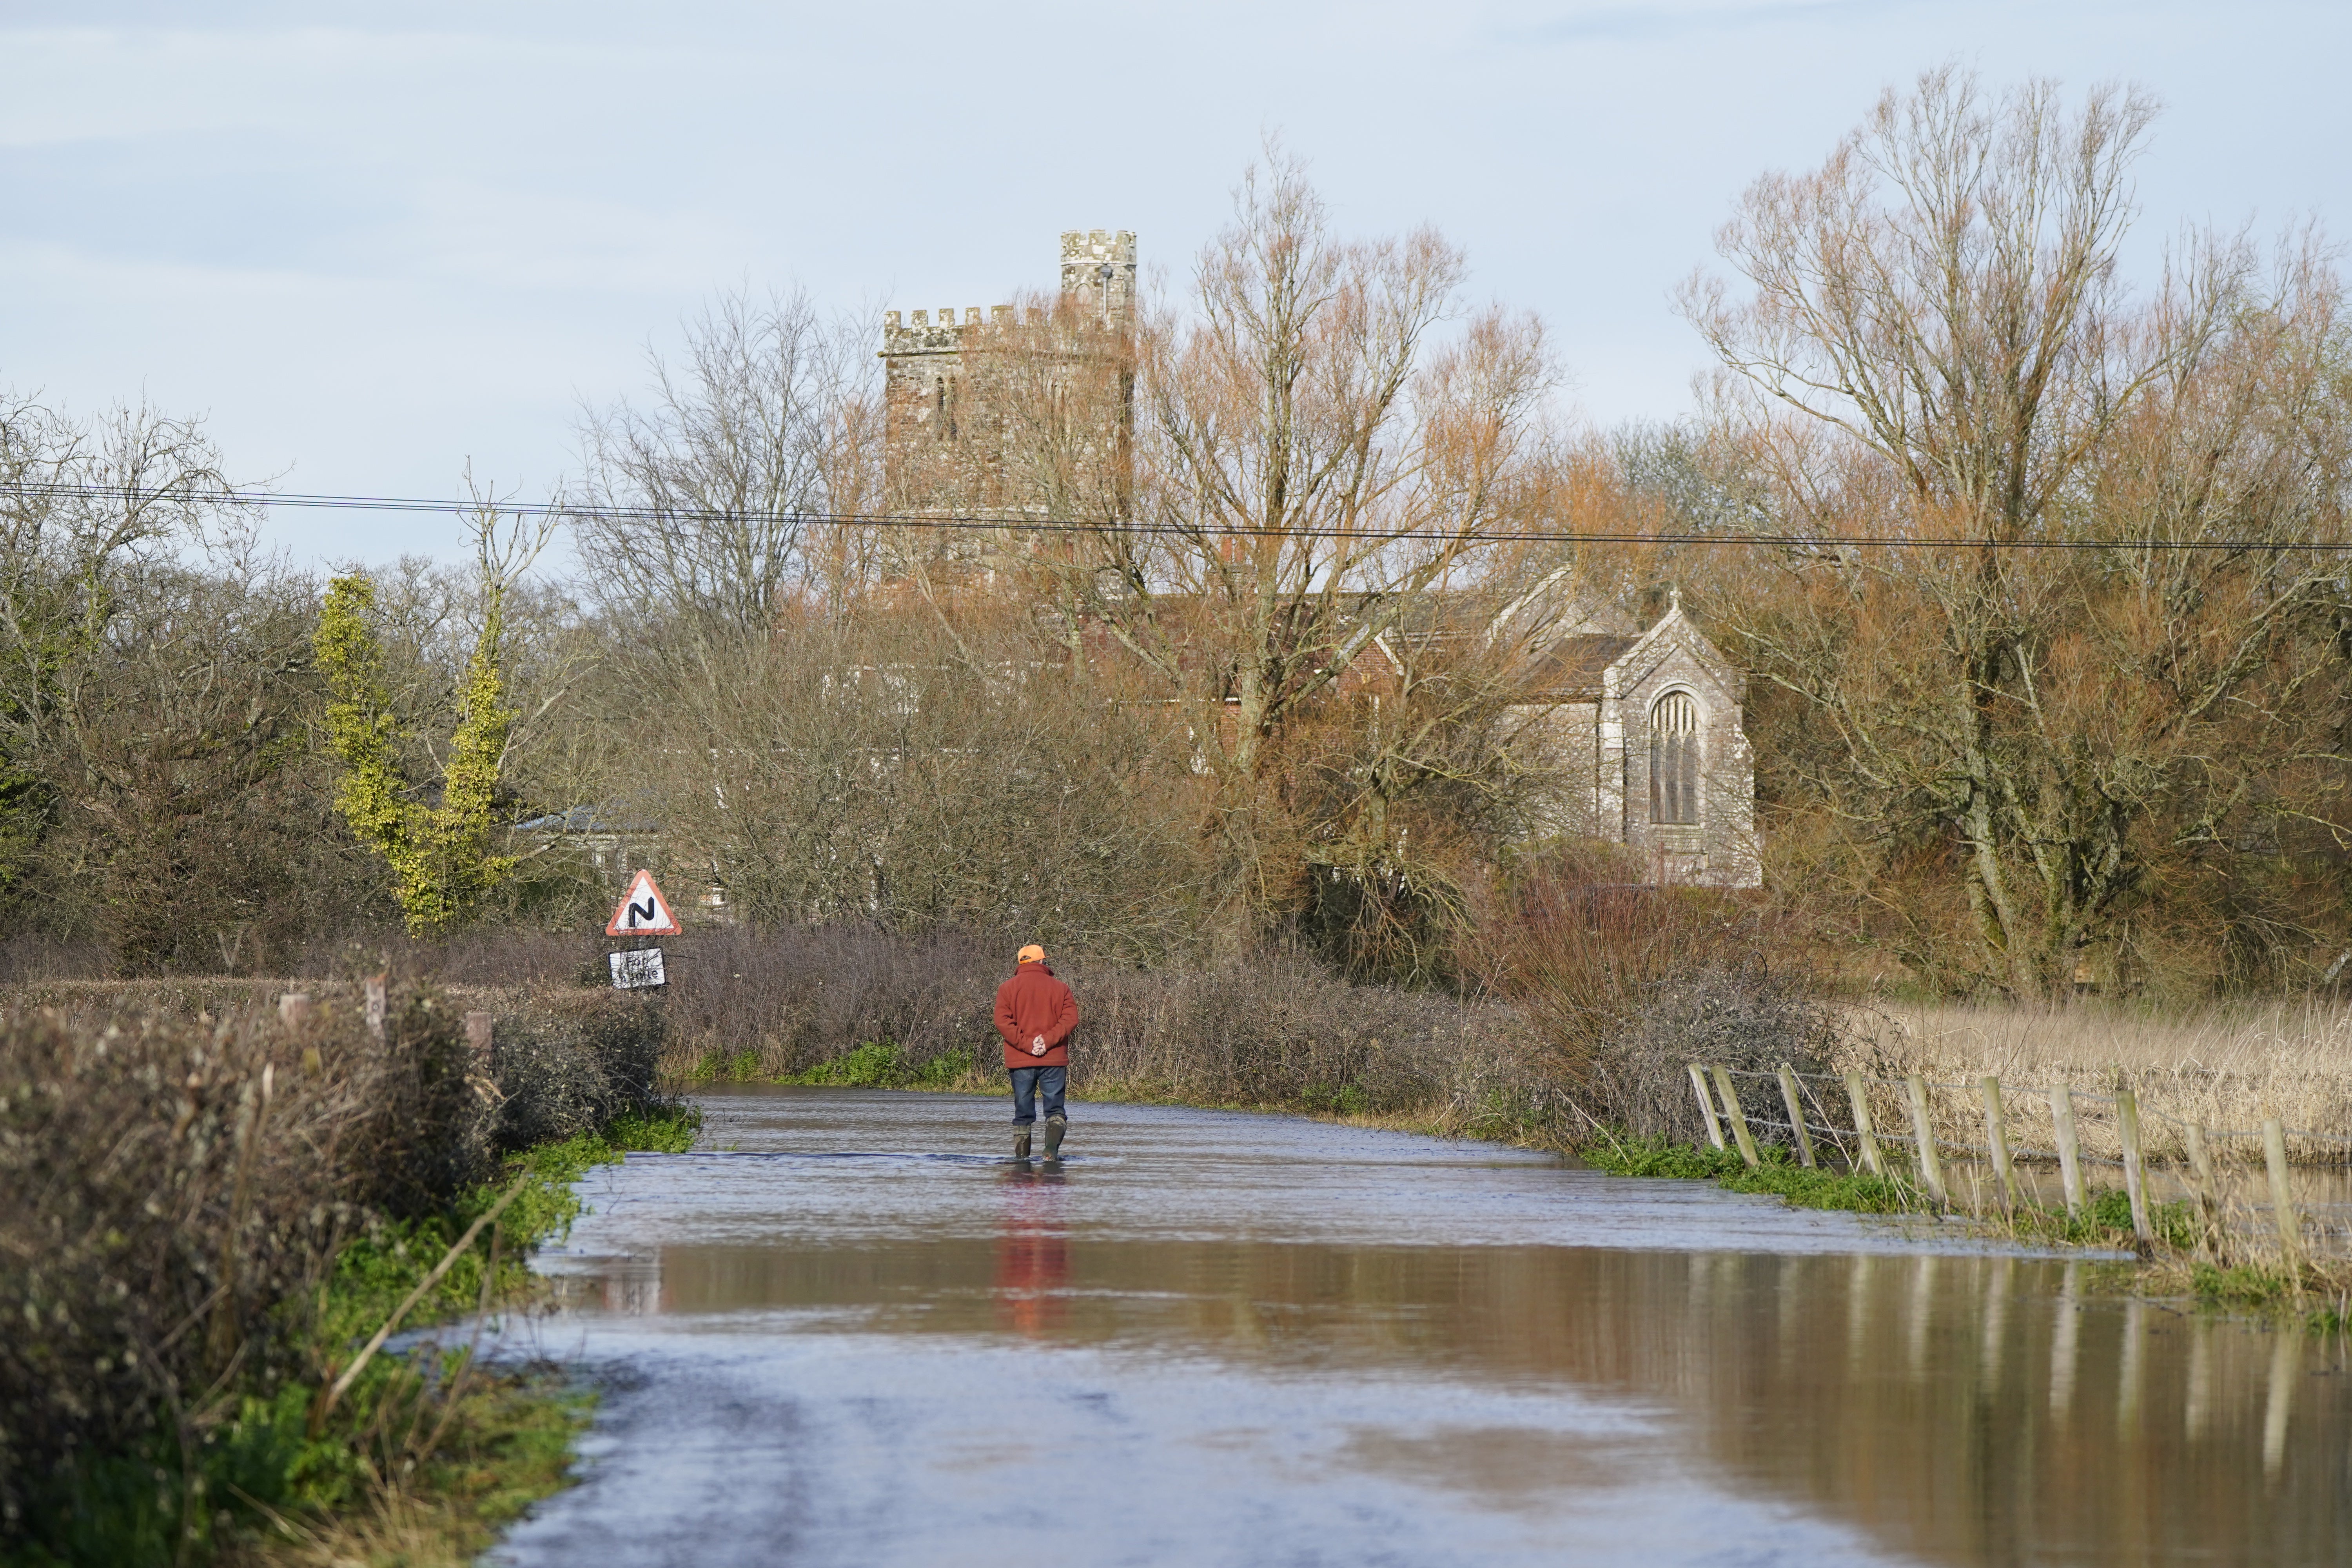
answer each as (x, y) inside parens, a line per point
(1054, 1127)
(1021, 1143)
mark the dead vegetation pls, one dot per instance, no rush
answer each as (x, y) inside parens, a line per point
(189, 1175)
(2226, 1066)
(2044, 681)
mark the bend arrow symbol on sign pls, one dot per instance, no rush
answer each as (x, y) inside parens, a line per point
(644, 911)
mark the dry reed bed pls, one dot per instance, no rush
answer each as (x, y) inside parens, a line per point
(2225, 1067)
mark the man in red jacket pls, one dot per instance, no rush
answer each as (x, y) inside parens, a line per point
(1035, 1014)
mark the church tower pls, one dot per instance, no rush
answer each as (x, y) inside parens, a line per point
(963, 398)
(1098, 275)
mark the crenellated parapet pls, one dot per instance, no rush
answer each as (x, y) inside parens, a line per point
(959, 384)
(1098, 278)
(918, 333)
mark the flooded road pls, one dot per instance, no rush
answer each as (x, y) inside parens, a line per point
(864, 1337)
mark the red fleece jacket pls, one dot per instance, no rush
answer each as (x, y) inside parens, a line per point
(1031, 1004)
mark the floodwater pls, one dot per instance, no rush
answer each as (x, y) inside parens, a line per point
(847, 1330)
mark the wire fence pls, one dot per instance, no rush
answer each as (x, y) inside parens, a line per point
(2230, 1194)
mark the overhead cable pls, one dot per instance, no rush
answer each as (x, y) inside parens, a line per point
(978, 521)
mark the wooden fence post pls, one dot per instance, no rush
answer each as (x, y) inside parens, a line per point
(2134, 1174)
(1797, 1115)
(1705, 1105)
(294, 1010)
(478, 1035)
(2290, 1224)
(2069, 1151)
(1858, 1092)
(2208, 1196)
(1931, 1167)
(376, 1006)
(1997, 1140)
(1736, 1117)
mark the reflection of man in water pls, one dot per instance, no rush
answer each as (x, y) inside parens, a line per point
(1035, 1013)
(1033, 1262)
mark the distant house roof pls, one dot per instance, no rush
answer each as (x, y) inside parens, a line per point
(587, 819)
(1572, 669)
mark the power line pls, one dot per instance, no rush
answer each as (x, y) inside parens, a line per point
(228, 496)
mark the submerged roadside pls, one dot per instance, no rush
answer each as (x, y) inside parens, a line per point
(2178, 1262)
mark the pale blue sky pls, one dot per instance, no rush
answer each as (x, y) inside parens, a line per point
(372, 240)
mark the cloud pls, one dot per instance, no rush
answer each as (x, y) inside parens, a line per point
(125, 85)
(1583, 24)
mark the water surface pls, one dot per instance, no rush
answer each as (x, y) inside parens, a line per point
(847, 1330)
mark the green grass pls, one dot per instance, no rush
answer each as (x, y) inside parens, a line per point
(724, 1067)
(2271, 1292)
(877, 1064)
(1778, 1174)
(1860, 1192)
(2249, 1287)
(2105, 1220)
(1344, 1100)
(1637, 1156)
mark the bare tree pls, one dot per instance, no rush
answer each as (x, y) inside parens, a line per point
(1944, 291)
(88, 506)
(1403, 791)
(695, 503)
(869, 768)
(1313, 449)
(1937, 353)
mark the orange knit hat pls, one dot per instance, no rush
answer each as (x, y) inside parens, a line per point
(1033, 954)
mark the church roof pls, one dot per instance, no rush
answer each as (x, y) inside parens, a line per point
(1571, 669)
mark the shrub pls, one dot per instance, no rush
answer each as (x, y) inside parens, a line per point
(1284, 1031)
(566, 1061)
(1628, 986)
(1737, 1014)
(183, 1179)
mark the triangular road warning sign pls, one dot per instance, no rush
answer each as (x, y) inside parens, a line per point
(644, 911)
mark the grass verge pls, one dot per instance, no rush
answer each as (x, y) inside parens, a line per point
(2314, 1299)
(425, 1453)
(1778, 1174)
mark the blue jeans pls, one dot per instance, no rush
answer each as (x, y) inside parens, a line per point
(1027, 1081)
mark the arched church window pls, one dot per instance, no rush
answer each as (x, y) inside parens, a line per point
(1673, 759)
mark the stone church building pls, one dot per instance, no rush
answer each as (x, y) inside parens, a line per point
(1642, 726)
(1646, 731)
(961, 431)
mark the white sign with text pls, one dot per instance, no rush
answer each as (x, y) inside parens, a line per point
(642, 967)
